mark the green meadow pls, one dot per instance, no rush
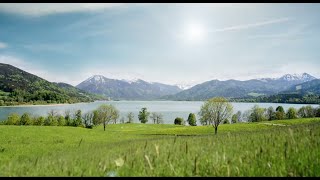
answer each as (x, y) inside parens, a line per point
(268, 148)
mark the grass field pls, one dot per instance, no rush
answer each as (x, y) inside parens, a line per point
(246, 149)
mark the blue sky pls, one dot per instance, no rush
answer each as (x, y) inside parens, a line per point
(168, 43)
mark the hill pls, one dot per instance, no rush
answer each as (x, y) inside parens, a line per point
(20, 87)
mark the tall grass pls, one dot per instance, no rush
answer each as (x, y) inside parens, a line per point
(249, 149)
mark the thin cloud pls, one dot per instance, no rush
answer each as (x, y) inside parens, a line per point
(42, 9)
(3, 45)
(253, 25)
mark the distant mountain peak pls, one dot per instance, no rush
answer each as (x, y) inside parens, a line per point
(296, 77)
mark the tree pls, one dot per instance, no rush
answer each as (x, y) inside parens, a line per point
(143, 115)
(67, 117)
(234, 118)
(156, 117)
(239, 116)
(291, 113)
(216, 110)
(107, 113)
(13, 119)
(302, 112)
(78, 119)
(178, 121)
(95, 118)
(317, 112)
(271, 115)
(25, 119)
(257, 114)
(280, 114)
(130, 117)
(310, 111)
(122, 120)
(192, 121)
(88, 119)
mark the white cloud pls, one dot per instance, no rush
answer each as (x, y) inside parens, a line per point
(3, 45)
(40, 9)
(247, 26)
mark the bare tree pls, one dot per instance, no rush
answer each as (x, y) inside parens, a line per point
(130, 117)
(157, 118)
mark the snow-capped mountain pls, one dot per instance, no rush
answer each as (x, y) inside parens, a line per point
(186, 84)
(304, 77)
(132, 89)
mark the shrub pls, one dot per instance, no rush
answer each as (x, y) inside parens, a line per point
(39, 121)
(13, 119)
(291, 113)
(61, 121)
(192, 119)
(179, 121)
(25, 119)
(226, 121)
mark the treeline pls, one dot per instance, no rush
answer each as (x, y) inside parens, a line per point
(258, 114)
(18, 97)
(282, 98)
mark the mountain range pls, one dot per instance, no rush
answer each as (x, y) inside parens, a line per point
(129, 90)
(18, 85)
(241, 89)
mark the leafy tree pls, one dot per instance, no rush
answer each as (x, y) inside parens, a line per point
(25, 119)
(302, 112)
(95, 118)
(13, 119)
(310, 111)
(78, 119)
(234, 118)
(130, 117)
(178, 121)
(257, 114)
(216, 110)
(291, 113)
(143, 115)
(192, 121)
(280, 114)
(271, 115)
(107, 113)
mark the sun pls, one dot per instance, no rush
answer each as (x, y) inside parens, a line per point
(195, 32)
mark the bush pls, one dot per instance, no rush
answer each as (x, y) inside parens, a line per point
(291, 113)
(226, 121)
(192, 119)
(61, 121)
(25, 119)
(39, 121)
(179, 121)
(13, 119)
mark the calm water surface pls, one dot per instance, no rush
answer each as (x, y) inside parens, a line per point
(169, 109)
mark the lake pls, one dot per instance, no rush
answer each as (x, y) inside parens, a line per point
(169, 109)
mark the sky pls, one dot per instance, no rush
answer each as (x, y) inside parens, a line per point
(167, 43)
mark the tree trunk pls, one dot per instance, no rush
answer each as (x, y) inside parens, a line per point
(216, 130)
(104, 126)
